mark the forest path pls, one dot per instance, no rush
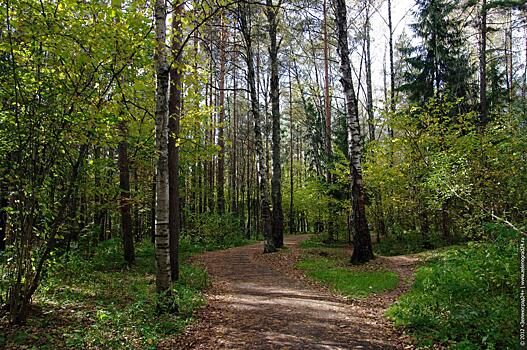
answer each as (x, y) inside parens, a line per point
(257, 303)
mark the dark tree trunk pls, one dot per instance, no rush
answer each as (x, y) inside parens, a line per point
(483, 64)
(392, 71)
(174, 111)
(291, 150)
(269, 245)
(327, 105)
(124, 186)
(362, 251)
(3, 216)
(380, 227)
(220, 179)
(276, 182)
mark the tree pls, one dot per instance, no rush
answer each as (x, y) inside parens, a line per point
(221, 137)
(174, 110)
(265, 211)
(483, 63)
(276, 181)
(362, 248)
(162, 235)
(327, 101)
(124, 176)
(440, 63)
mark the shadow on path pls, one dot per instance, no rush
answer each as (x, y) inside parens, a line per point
(253, 306)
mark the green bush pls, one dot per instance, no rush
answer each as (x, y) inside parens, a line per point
(408, 242)
(466, 297)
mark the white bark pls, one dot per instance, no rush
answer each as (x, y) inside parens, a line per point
(162, 247)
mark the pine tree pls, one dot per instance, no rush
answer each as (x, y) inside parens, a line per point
(440, 63)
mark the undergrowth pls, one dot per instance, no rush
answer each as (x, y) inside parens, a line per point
(101, 303)
(465, 298)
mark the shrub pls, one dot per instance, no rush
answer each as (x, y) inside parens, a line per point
(466, 297)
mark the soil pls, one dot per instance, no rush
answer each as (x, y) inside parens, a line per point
(262, 302)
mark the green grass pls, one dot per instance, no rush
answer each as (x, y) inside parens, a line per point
(100, 303)
(329, 266)
(464, 298)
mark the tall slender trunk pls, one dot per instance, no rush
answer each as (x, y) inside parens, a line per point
(124, 176)
(269, 245)
(362, 250)
(509, 58)
(124, 197)
(327, 105)
(392, 70)
(220, 184)
(483, 64)
(276, 182)
(291, 153)
(162, 237)
(174, 110)
(3, 215)
(380, 227)
(234, 157)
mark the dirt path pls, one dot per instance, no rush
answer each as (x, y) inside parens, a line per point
(254, 306)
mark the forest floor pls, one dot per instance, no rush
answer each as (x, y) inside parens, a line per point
(259, 301)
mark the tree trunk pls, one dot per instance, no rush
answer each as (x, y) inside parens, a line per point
(276, 182)
(235, 185)
(174, 110)
(269, 245)
(327, 104)
(362, 251)
(380, 227)
(220, 184)
(483, 64)
(291, 153)
(392, 71)
(124, 198)
(162, 237)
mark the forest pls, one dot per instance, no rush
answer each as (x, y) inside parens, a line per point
(263, 174)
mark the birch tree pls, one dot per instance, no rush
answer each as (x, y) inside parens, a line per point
(362, 249)
(162, 237)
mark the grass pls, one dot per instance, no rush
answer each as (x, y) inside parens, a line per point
(329, 264)
(100, 303)
(464, 298)
(347, 281)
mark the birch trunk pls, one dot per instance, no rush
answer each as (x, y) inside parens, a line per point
(162, 238)
(362, 251)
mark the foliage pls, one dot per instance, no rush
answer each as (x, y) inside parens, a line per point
(103, 303)
(408, 242)
(320, 241)
(211, 231)
(442, 174)
(465, 297)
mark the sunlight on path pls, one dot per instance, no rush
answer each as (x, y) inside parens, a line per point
(253, 306)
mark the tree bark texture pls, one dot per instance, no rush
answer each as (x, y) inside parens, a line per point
(362, 251)
(162, 237)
